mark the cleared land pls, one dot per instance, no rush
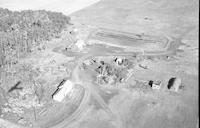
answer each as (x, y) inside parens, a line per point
(156, 40)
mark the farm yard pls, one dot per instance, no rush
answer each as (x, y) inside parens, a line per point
(119, 64)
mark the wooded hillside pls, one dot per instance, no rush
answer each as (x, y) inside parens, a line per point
(21, 32)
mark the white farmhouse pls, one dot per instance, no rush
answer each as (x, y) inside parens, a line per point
(63, 91)
(80, 44)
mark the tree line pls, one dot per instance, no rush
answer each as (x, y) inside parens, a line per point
(21, 32)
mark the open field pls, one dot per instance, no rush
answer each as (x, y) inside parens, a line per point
(129, 40)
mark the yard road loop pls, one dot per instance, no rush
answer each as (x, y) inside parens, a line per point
(77, 113)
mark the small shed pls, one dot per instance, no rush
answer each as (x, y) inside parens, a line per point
(156, 85)
(119, 60)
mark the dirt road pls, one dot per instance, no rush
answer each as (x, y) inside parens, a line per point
(7, 124)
